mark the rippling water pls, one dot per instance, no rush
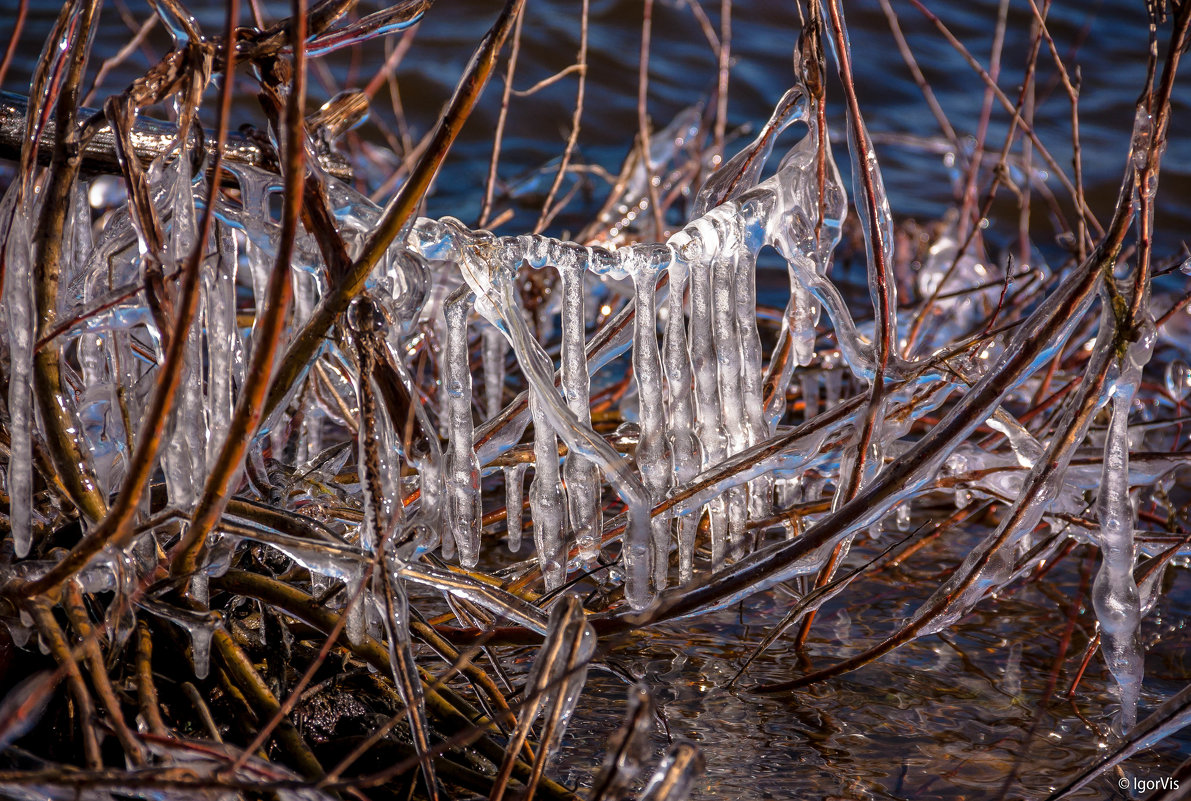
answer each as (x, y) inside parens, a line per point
(951, 716)
(947, 717)
(1106, 39)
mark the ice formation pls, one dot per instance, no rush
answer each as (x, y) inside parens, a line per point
(709, 439)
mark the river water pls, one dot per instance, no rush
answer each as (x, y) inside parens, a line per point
(952, 716)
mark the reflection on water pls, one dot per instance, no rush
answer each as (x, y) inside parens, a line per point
(948, 717)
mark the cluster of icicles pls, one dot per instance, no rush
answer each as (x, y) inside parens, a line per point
(702, 400)
(700, 395)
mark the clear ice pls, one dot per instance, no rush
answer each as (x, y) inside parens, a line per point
(709, 438)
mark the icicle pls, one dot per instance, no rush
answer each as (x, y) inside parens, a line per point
(1115, 594)
(200, 649)
(647, 373)
(546, 501)
(77, 249)
(183, 460)
(199, 625)
(22, 329)
(309, 440)
(760, 500)
(498, 301)
(514, 487)
(463, 471)
(798, 337)
(832, 382)
(726, 337)
(582, 477)
(222, 338)
(692, 249)
(356, 625)
(255, 188)
(684, 447)
(810, 395)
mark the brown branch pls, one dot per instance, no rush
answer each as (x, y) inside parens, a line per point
(60, 428)
(306, 343)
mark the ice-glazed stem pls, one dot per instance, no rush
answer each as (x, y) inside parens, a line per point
(375, 520)
(872, 205)
(270, 327)
(676, 773)
(463, 469)
(795, 348)
(651, 447)
(582, 478)
(49, 251)
(219, 303)
(405, 669)
(554, 683)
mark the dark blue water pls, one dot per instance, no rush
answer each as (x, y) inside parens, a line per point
(1105, 41)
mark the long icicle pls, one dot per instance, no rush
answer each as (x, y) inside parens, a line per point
(582, 477)
(652, 459)
(463, 469)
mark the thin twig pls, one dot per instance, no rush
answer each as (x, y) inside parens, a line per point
(549, 210)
